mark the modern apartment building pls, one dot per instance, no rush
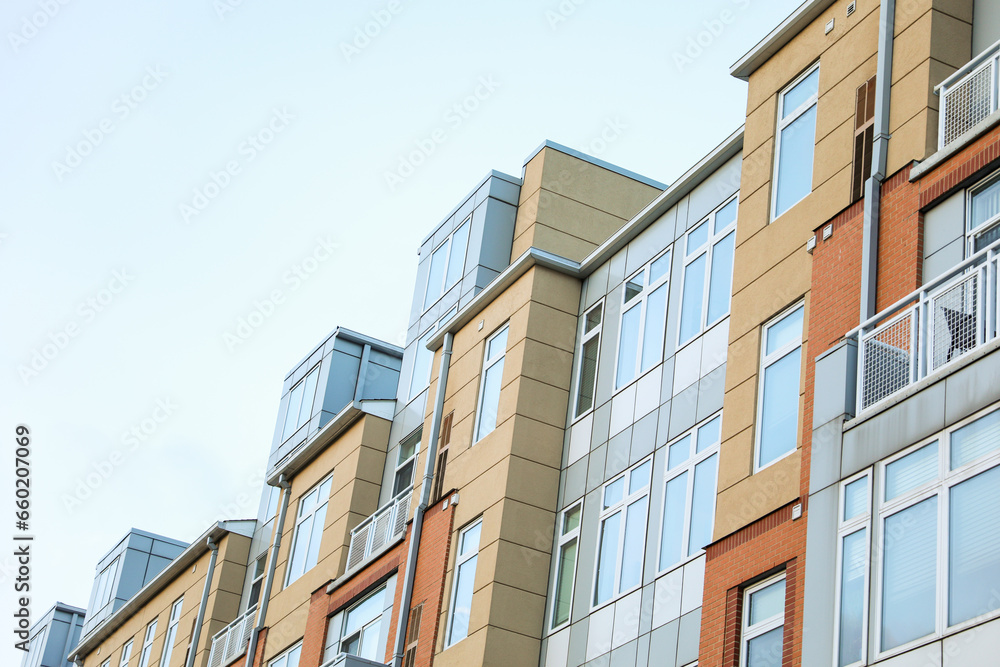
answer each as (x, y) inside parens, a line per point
(745, 419)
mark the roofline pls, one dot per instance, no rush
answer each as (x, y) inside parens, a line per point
(49, 614)
(595, 161)
(353, 336)
(806, 13)
(493, 174)
(178, 565)
(141, 533)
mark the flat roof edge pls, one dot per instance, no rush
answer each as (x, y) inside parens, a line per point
(604, 164)
(805, 14)
(513, 180)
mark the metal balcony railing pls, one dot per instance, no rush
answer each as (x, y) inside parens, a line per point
(944, 320)
(231, 642)
(385, 526)
(968, 96)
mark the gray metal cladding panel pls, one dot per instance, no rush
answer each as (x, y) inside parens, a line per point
(504, 190)
(348, 347)
(498, 235)
(131, 573)
(820, 577)
(167, 549)
(342, 381)
(140, 542)
(155, 566)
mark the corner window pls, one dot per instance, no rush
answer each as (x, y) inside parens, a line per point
(796, 142)
(643, 321)
(622, 535)
(489, 384)
(689, 495)
(300, 403)
(447, 263)
(778, 397)
(406, 461)
(171, 636)
(708, 271)
(289, 658)
(462, 586)
(126, 654)
(852, 570)
(590, 350)
(147, 644)
(983, 227)
(308, 530)
(569, 534)
(763, 623)
(423, 358)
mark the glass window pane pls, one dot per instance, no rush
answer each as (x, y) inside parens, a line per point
(985, 205)
(659, 267)
(692, 298)
(974, 440)
(588, 375)
(628, 344)
(593, 319)
(490, 400)
(911, 471)
(324, 490)
(674, 513)
(369, 641)
(607, 558)
(974, 547)
(725, 216)
(614, 492)
(364, 613)
(639, 478)
(986, 237)
(787, 330)
(292, 411)
(308, 396)
(856, 498)
(654, 328)
(780, 411)
(696, 238)
(633, 288)
(318, 523)
(408, 448)
(571, 519)
(765, 650)
(795, 161)
(423, 359)
(564, 583)
(909, 574)
(403, 479)
(722, 278)
(463, 600)
(853, 566)
(435, 276)
(456, 259)
(635, 539)
(498, 344)
(710, 434)
(299, 548)
(768, 602)
(470, 540)
(800, 94)
(703, 504)
(679, 452)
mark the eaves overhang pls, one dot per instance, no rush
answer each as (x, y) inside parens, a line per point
(796, 22)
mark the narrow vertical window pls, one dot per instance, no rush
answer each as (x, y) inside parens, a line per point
(489, 386)
(590, 349)
(796, 142)
(763, 624)
(447, 264)
(852, 582)
(464, 580)
(126, 654)
(406, 461)
(643, 322)
(147, 644)
(569, 533)
(298, 410)
(622, 534)
(778, 400)
(309, 525)
(864, 128)
(260, 566)
(708, 271)
(171, 636)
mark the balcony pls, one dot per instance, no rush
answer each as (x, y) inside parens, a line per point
(968, 96)
(384, 527)
(231, 642)
(928, 330)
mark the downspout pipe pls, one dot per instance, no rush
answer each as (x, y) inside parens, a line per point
(425, 498)
(880, 151)
(272, 562)
(196, 636)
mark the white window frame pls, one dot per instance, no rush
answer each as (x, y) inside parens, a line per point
(258, 579)
(147, 644)
(170, 638)
(846, 528)
(285, 434)
(300, 519)
(425, 306)
(564, 539)
(748, 632)
(628, 499)
(281, 660)
(687, 466)
(126, 653)
(781, 125)
(585, 337)
(489, 363)
(706, 249)
(360, 632)
(400, 464)
(461, 559)
(992, 223)
(939, 487)
(641, 301)
(105, 584)
(767, 360)
(417, 385)
(106, 663)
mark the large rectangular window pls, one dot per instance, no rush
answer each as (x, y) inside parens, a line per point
(171, 636)
(622, 535)
(778, 398)
(147, 644)
(569, 536)
(852, 570)
(362, 627)
(763, 624)
(689, 494)
(447, 263)
(308, 530)
(708, 271)
(590, 350)
(463, 583)
(796, 142)
(300, 402)
(643, 322)
(489, 384)
(983, 227)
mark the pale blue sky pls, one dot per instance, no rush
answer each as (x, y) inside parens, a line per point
(197, 83)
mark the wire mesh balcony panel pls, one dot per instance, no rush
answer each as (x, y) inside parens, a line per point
(968, 102)
(956, 321)
(887, 359)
